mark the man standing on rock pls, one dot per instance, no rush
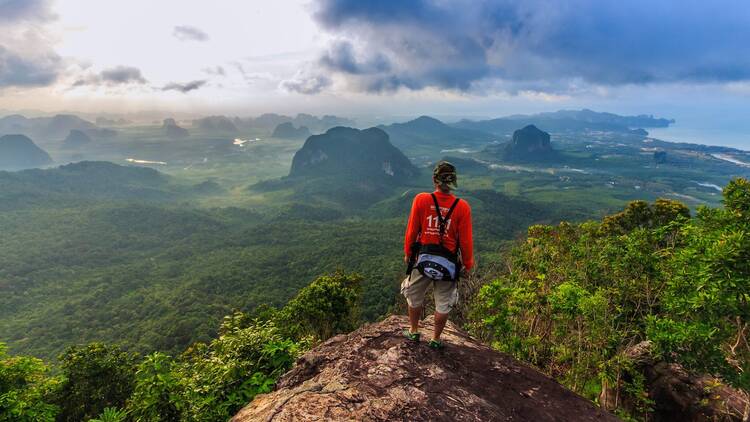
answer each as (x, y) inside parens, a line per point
(438, 243)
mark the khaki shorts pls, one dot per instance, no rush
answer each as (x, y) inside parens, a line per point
(415, 287)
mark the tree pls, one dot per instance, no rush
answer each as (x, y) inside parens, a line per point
(157, 393)
(97, 370)
(326, 307)
(707, 299)
(25, 389)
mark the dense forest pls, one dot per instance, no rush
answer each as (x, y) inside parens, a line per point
(571, 300)
(577, 298)
(129, 258)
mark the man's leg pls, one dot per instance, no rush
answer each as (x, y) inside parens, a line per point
(414, 289)
(440, 320)
(414, 315)
(446, 296)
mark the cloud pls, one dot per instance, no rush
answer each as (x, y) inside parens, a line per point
(15, 10)
(303, 83)
(215, 71)
(119, 75)
(189, 33)
(187, 87)
(27, 58)
(549, 45)
(122, 75)
(17, 70)
(341, 57)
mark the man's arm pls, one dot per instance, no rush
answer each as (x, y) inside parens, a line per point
(413, 227)
(466, 239)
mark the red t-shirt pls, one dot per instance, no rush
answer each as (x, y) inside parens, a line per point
(423, 225)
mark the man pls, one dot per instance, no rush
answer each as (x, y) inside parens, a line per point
(446, 228)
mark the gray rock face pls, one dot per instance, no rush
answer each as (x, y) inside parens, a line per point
(351, 152)
(529, 140)
(375, 374)
(18, 152)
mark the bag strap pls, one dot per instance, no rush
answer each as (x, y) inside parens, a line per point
(443, 221)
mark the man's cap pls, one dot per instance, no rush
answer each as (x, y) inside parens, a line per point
(445, 173)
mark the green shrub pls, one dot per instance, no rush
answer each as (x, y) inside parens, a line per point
(25, 389)
(577, 295)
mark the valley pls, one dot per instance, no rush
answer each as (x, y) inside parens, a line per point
(149, 240)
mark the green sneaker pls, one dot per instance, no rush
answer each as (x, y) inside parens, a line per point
(436, 344)
(411, 336)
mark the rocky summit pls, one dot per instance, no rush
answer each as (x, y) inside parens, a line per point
(529, 144)
(375, 374)
(343, 151)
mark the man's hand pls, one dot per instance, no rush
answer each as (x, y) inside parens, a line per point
(406, 259)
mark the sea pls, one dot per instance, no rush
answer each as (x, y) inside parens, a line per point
(727, 136)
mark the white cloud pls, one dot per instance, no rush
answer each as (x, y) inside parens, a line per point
(189, 33)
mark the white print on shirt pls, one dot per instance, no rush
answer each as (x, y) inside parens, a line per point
(433, 222)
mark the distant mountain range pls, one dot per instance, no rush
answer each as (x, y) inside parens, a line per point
(221, 124)
(430, 132)
(55, 128)
(270, 121)
(288, 131)
(566, 120)
(20, 152)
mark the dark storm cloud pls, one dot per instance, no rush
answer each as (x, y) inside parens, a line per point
(385, 45)
(341, 57)
(189, 33)
(17, 70)
(187, 87)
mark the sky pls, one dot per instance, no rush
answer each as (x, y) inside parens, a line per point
(683, 59)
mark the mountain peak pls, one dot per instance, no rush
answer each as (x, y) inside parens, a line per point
(425, 122)
(375, 374)
(20, 152)
(529, 143)
(342, 150)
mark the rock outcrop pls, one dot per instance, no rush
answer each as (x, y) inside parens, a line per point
(529, 144)
(375, 374)
(347, 152)
(678, 395)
